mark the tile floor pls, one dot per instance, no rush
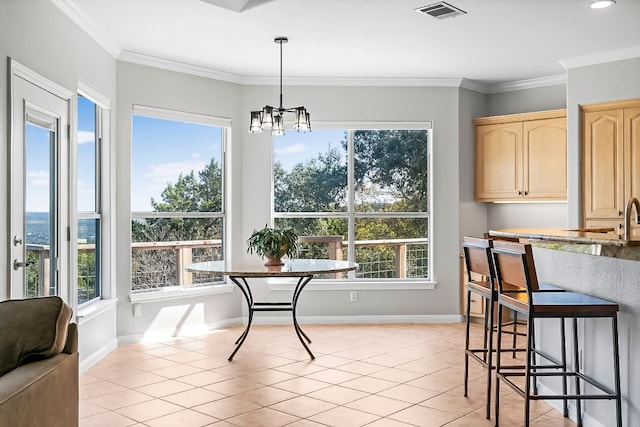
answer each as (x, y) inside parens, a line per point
(374, 375)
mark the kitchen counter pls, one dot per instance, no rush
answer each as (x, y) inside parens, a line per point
(589, 242)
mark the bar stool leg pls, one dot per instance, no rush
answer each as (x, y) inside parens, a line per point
(490, 305)
(527, 372)
(534, 361)
(466, 345)
(576, 363)
(565, 404)
(616, 367)
(498, 359)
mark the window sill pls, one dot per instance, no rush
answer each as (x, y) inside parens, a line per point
(94, 309)
(180, 292)
(331, 285)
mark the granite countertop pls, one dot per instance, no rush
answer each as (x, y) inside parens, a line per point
(580, 241)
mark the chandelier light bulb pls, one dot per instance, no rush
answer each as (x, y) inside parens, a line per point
(601, 4)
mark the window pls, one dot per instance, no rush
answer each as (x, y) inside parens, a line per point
(361, 195)
(88, 187)
(177, 197)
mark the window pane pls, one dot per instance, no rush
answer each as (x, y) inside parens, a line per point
(175, 166)
(87, 150)
(310, 171)
(391, 173)
(161, 248)
(320, 238)
(88, 268)
(40, 214)
(392, 248)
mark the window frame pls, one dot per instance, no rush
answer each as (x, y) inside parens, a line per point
(105, 254)
(178, 291)
(351, 214)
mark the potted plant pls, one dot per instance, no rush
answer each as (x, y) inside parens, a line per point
(273, 243)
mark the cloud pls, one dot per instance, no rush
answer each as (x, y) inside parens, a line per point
(293, 149)
(86, 136)
(38, 178)
(163, 173)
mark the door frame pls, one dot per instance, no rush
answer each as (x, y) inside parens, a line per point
(20, 71)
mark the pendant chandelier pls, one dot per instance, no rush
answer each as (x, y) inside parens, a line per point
(273, 117)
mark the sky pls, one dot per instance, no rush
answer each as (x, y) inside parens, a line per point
(162, 150)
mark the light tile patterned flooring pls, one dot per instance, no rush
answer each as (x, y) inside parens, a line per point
(374, 375)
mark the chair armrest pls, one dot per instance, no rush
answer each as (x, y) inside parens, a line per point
(71, 346)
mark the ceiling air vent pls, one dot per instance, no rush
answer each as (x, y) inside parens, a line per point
(441, 10)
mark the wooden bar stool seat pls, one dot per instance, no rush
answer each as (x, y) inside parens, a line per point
(519, 290)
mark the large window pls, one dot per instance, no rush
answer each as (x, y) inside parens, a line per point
(177, 197)
(361, 195)
(89, 218)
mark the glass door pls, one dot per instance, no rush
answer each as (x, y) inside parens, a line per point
(39, 132)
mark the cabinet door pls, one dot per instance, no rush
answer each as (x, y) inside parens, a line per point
(498, 161)
(603, 154)
(632, 150)
(545, 159)
(632, 158)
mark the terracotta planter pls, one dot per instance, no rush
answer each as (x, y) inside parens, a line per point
(273, 261)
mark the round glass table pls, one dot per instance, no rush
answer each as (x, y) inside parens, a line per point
(302, 269)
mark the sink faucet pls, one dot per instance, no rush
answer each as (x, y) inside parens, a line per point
(627, 216)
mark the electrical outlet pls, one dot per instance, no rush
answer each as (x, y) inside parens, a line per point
(353, 296)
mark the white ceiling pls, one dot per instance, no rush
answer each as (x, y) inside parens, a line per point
(496, 42)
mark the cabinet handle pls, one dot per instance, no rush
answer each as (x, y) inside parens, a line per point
(619, 213)
(526, 193)
(519, 193)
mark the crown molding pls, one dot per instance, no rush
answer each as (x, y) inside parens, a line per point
(71, 9)
(353, 81)
(181, 67)
(600, 58)
(528, 84)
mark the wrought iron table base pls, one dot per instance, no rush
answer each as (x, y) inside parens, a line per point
(254, 306)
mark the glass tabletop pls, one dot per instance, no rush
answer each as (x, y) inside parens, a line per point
(256, 267)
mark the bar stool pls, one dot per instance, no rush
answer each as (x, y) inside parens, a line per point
(519, 290)
(477, 255)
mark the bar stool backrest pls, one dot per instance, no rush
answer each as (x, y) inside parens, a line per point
(477, 256)
(514, 266)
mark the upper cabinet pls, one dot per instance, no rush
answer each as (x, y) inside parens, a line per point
(521, 157)
(611, 161)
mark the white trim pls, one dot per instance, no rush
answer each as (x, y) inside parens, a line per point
(99, 98)
(366, 125)
(600, 58)
(332, 285)
(176, 115)
(94, 309)
(179, 67)
(350, 81)
(171, 333)
(345, 320)
(179, 292)
(88, 362)
(529, 84)
(69, 8)
(25, 73)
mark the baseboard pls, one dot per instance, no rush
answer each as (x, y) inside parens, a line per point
(164, 334)
(587, 420)
(336, 320)
(87, 362)
(286, 320)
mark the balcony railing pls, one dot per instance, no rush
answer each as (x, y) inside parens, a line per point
(161, 264)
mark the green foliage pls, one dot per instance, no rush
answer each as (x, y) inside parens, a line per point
(275, 242)
(188, 194)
